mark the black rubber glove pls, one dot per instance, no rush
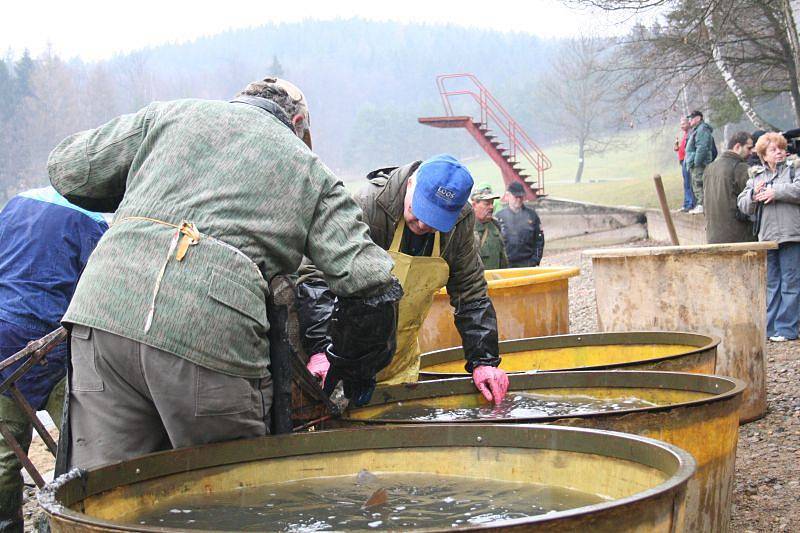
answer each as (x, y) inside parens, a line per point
(363, 331)
(315, 303)
(358, 391)
(477, 324)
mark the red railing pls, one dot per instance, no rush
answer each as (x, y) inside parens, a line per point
(494, 116)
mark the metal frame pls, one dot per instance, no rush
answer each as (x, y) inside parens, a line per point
(493, 113)
(35, 352)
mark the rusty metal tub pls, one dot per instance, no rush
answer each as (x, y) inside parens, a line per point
(636, 350)
(698, 413)
(716, 289)
(530, 302)
(643, 480)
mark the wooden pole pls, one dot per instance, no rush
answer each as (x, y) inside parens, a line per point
(662, 199)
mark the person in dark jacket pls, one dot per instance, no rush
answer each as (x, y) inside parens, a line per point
(420, 213)
(44, 244)
(522, 230)
(724, 179)
(700, 151)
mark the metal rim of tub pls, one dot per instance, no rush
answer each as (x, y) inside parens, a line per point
(709, 342)
(722, 387)
(678, 464)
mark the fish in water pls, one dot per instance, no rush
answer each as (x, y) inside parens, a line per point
(379, 497)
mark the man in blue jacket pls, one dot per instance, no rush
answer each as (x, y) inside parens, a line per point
(44, 244)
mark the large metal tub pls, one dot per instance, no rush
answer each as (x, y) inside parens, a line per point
(636, 350)
(715, 289)
(697, 413)
(645, 479)
(530, 302)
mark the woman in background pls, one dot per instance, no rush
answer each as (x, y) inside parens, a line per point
(772, 194)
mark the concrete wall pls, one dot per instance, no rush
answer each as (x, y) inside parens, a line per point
(569, 224)
(691, 229)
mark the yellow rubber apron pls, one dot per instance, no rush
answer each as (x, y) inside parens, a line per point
(421, 278)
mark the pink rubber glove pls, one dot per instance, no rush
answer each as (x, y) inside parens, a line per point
(318, 365)
(491, 381)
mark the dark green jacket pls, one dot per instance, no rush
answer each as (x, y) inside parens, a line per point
(723, 181)
(382, 203)
(698, 147)
(261, 199)
(491, 246)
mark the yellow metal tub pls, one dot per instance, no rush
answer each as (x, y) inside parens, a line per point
(698, 413)
(636, 350)
(530, 302)
(642, 481)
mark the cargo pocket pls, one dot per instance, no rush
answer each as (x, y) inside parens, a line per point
(221, 394)
(235, 294)
(84, 369)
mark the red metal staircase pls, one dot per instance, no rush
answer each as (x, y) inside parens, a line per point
(518, 157)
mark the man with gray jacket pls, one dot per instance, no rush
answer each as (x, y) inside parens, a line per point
(700, 151)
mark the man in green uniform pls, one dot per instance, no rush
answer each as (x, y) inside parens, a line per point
(168, 322)
(488, 235)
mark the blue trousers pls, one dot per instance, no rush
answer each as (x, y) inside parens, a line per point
(688, 194)
(783, 290)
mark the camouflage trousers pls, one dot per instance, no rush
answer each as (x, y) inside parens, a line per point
(697, 183)
(10, 466)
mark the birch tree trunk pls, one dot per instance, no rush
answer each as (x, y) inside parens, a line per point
(791, 10)
(744, 102)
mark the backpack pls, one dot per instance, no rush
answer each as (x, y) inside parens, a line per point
(713, 148)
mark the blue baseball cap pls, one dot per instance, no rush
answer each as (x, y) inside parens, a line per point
(442, 189)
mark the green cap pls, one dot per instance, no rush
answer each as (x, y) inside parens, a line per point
(483, 191)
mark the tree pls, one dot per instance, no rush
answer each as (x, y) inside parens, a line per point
(749, 45)
(276, 69)
(23, 70)
(578, 96)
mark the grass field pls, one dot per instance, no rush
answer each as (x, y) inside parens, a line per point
(621, 176)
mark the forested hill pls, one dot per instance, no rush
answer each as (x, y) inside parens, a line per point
(367, 82)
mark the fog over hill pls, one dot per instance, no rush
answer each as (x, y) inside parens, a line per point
(367, 83)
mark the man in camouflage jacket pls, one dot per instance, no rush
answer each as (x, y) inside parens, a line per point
(169, 323)
(488, 233)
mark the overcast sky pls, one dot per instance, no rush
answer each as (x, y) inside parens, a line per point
(95, 30)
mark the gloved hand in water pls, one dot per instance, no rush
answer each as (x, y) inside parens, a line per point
(491, 381)
(318, 365)
(363, 331)
(358, 391)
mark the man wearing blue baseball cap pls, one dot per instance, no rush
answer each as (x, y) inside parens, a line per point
(420, 214)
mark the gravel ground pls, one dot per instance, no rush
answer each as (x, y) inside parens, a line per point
(767, 494)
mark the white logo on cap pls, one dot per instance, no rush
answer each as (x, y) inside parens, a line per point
(445, 194)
